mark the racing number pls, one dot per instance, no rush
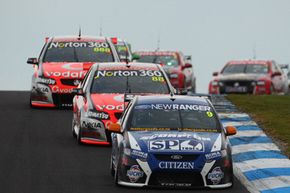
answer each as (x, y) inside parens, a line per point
(157, 79)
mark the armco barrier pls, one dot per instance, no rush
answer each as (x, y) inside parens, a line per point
(258, 162)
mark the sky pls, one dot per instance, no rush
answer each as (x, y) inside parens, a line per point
(213, 32)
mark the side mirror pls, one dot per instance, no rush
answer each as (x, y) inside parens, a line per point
(135, 56)
(78, 91)
(187, 65)
(32, 61)
(182, 91)
(231, 130)
(276, 74)
(115, 128)
(215, 73)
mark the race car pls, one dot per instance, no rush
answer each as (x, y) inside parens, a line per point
(249, 77)
(62, 65)
(179, 72)
(100, 101)
(171, 141)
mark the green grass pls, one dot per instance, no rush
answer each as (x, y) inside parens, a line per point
(271, 112)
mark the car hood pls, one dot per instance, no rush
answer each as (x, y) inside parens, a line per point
(65, 70)
(108, 102)
(240, 76)
(175, 142)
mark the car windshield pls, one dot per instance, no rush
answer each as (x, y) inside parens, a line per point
(168, 60)
(246, 68)
(131, 81)
(122, 50)
(174, 117)
(78, 52)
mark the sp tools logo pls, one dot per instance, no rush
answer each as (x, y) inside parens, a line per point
(176, 145)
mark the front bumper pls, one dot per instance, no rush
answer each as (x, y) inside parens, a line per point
(212, 175)
(45, 96)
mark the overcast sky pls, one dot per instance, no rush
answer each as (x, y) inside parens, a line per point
(212, 31)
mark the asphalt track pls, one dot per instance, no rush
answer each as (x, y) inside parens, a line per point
(39, 155)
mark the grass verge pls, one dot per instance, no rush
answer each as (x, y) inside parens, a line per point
(271, 112)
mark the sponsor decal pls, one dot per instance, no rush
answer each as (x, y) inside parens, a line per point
(169, 129)
(176, 157)
(45, 80)
(176, 165)
(134, 174)
(110, 107)
(127, 73)
(216, 175)
(139, 154)
(92, 124)
(213, 155)
(176, 145)
(175, 135)
(78, 45)
(56, 89)
(98, 115)
(176, 184)
(43, 89)
(67, 74)
(180, 107)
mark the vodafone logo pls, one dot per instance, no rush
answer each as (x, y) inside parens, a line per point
(67, 74)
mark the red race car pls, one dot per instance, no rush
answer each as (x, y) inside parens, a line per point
(99, 100)
(249, 77)
(179, 71)
(62, 65)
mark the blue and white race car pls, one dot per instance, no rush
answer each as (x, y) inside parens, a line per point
(171, 141)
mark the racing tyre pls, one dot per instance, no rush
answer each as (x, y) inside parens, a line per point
(112, 170)
(79, 138)
(116, 177)
(73, 131)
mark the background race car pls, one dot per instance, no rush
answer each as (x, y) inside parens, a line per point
(249, 77)
(176, 65)
(100, 99)
(171, 141)
(62, 65)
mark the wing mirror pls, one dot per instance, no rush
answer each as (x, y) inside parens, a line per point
(215, 73)
(32, 61)
(230, 130)
(135, 56)
(115, 128)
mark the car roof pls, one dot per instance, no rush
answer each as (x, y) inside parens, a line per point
(167, 99)
(76, 38)
(124, 66)
(233, 62)
(156, 52)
